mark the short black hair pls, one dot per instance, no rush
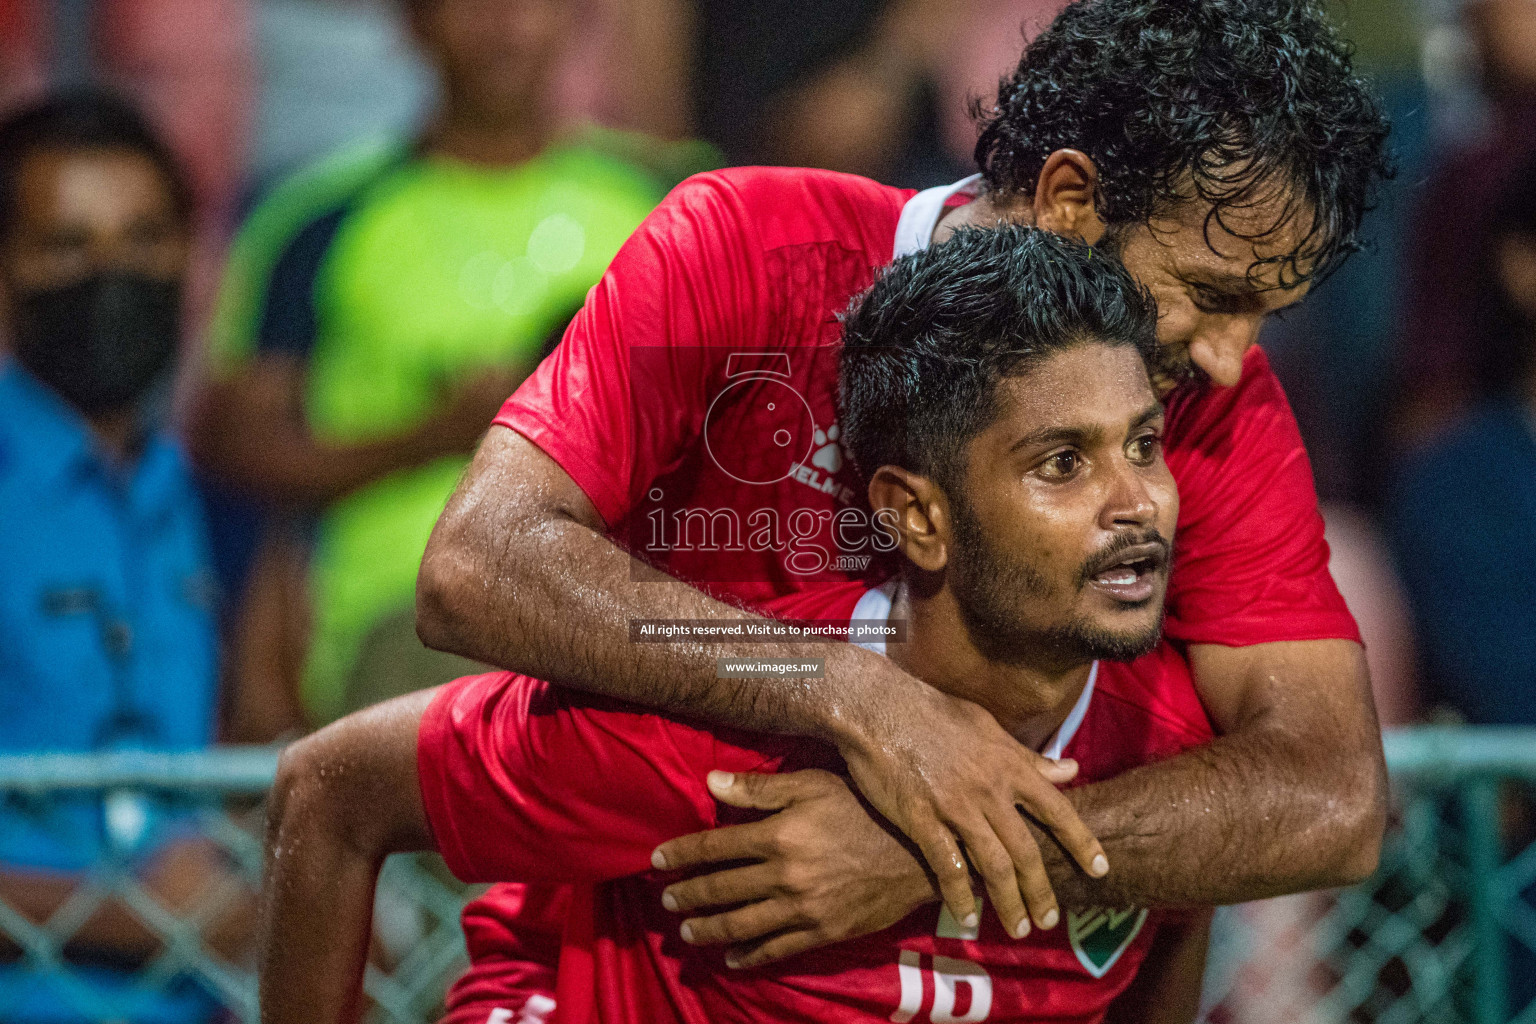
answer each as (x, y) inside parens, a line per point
(77, 120)
(1230, 101)
(926, 346)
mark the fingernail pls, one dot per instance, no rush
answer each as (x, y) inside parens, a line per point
(669, 901)
(658, 860)
(721, 780)
(687, 931)
(971, 920)
(1021, 929)
(1049, 920)
(1100, 866)
(732, 963)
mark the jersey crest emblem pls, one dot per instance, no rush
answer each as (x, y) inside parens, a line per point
(1099, 935)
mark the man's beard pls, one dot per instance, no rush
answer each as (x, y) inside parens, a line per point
(1171, 367)
(989, 587)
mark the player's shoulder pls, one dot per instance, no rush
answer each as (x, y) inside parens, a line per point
(1157, 693)
(829, 601)
(1249, 424)
(792, 205)
(1257, 401)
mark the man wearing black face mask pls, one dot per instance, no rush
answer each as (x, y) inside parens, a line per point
(107, 637)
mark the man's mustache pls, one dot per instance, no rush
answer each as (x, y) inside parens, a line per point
(1158, 551)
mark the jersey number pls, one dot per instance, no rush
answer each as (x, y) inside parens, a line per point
(949, 976)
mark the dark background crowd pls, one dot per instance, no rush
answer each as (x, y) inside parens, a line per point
(268, 267)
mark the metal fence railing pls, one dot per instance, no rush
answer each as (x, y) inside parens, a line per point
(211, 803)
(1444, 932)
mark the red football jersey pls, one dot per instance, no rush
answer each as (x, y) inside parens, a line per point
(694, 400)
(723, 304)
(525, 780)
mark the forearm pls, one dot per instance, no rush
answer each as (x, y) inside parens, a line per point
(343, 800)
(1248, 817)
(547, 594)
(178, 877)
(251, 431)
(318, 909)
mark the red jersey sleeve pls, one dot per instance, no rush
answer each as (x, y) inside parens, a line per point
(524, 781)
(691, 277)
(513, 934)
(1250, 563)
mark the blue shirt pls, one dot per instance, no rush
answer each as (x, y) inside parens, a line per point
(1462, 518)
(107, 629)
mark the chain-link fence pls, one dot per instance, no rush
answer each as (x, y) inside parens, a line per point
(159, 926)
(1445, 931)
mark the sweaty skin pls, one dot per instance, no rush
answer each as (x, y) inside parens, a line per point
(350, 794)
(519, 574)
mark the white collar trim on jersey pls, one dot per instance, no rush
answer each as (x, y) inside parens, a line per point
(921, 215)
(877, 604)
(1068, 729)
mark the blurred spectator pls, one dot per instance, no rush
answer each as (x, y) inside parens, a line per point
(106, 603)
(872, 87)
(1465, 507)
(377, 310)
(1439, 351)
(336, 71)
(1362, 567)
(186, 61)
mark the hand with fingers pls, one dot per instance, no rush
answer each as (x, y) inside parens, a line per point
(825, 870)
(953, 781)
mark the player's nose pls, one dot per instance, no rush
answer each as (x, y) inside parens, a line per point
(1219, 349)
(1130, 501)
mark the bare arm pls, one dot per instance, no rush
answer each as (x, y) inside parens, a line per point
(249, 430)
(519, 574)
(1167, 985)
(344, 798)
(1291, 798)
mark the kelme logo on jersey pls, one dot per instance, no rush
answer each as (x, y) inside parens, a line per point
(775, 484)
(1100, 936)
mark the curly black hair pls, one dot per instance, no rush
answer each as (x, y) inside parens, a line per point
(925, 347)
(1231, 101)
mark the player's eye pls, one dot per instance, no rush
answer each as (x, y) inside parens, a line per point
(1060, 465)
(1209, 300)
(1143, 449)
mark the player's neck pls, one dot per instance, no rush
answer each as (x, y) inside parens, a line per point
(487, 138)
(985, 211)
(1029, 700)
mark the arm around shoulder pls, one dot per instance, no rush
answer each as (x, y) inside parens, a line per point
(1303, 713)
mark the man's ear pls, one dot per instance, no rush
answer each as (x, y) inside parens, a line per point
(916, 507)
(1066, 196)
